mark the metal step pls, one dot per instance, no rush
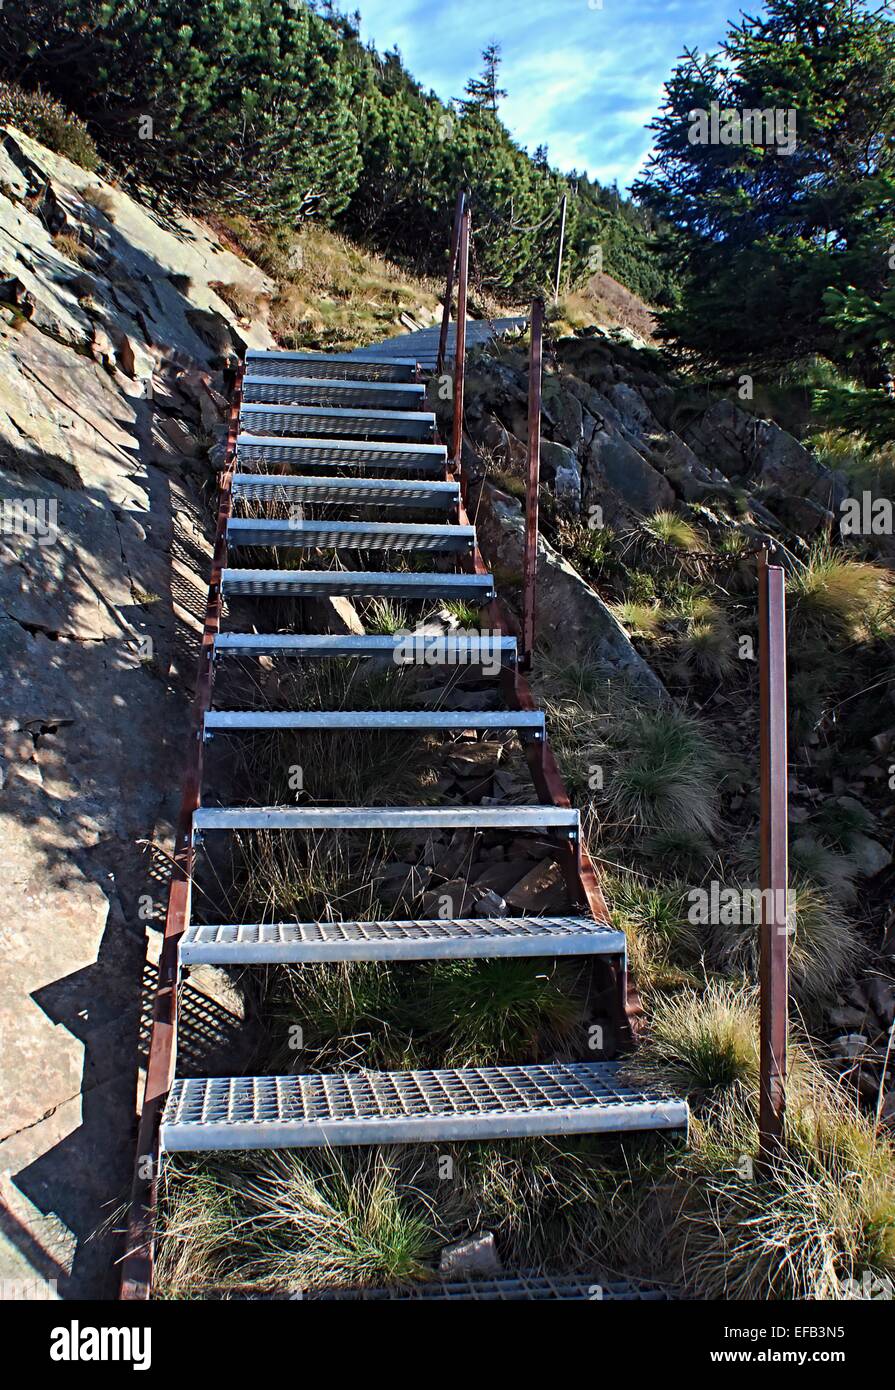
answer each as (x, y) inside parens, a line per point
(528, 723)
(382, 395)
(409, 494)
(429, 459)
(477, 588)
(353, 424)
(350, 535)
(423, 649)
(297, 943)
(526, 1285)
(559, 820)
(469, 1103)
(331, 364)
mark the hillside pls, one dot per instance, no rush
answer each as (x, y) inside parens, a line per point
(720, 392)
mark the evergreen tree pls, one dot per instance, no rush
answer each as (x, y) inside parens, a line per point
(760, 230)
(483, 93)
(242, 101)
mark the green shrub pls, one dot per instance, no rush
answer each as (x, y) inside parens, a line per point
(47, 120)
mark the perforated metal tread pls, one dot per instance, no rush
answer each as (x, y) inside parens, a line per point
(351, 535)
(559, 819)
(527, 1285)
(528, 722)
(467, 1103)
(337, 364)
(462, 938)
(429, 459)
(450, 649)
(477, 588)
(353, 423)
(386, 395)
(409, 494)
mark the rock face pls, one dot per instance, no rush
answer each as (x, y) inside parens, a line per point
(740, 445)
(572, 619)
(108, 400)
(611, 440)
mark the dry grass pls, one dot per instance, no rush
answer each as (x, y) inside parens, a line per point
(100, 198)
(668, 529)
(247, 304)
(845, 598)
(72, 248)
(328, 292)
(640, 619)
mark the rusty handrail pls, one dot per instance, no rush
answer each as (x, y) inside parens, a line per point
(775, 926)
(137, 1262)
(449, 290)
(460, 347)
(530, 558)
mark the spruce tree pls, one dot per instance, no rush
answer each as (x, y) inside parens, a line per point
(761, 230)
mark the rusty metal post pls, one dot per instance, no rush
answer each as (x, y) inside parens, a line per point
(530, 559)
(138, 1259)
(774, 934)
(449, 291)
(562, 237)
(460, 350)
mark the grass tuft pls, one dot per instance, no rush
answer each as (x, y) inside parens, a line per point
(669, 529)
(845, 598)
(701, 1042)
(290, 1221)
(666, 773)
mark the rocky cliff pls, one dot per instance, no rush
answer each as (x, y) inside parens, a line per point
(112, 344)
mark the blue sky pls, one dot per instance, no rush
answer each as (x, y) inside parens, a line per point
(582, 79)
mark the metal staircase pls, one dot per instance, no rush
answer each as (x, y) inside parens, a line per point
(304, 430)
(371, 1107)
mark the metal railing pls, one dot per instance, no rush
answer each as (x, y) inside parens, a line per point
(775, 924)
(530, 557)
(449, 290)
(137, 1264)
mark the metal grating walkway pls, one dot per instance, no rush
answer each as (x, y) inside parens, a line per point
(423, 343)
(526, 1285)
(357, 584)
(420, 648)
(342, 453)
(357, 492)
(332, 391)
(349, 535)
(353, 423)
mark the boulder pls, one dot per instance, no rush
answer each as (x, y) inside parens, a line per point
(729, 438)
(571, 616)
(475, 1257)
(615, 472)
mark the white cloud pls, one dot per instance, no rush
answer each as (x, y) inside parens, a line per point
(584, 81)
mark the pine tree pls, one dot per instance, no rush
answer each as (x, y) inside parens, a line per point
(761, 230)
(241, 101)
(483, 93)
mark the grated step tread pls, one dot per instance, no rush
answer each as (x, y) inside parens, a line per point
(528, 721)
(529, 1285)
(364, 492)
(350, 535)
(357, 584)
(355, 423)
(359, 366)
(433, 649)
(562, 819)
(462, 938)
(341, 453)
(450, 1104)
(257, 389)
